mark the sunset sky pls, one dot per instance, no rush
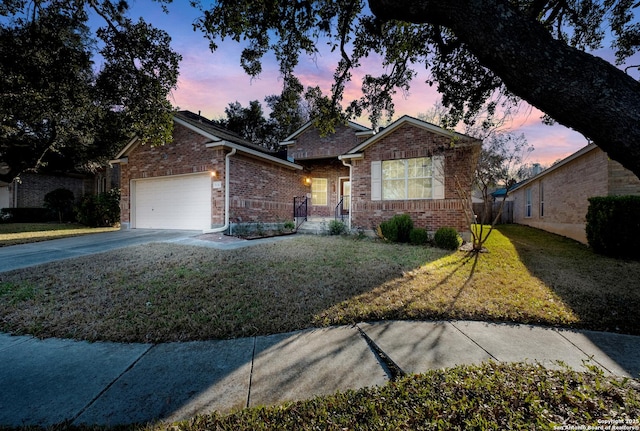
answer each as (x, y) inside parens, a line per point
(210, 81)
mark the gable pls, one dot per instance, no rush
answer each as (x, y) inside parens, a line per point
(310, 144)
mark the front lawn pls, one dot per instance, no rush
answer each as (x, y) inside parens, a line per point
(168, 292)
(23, 233)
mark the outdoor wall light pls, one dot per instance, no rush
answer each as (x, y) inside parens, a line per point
(307, 181)
(214, 174)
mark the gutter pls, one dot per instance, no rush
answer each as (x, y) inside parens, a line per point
(227, 174)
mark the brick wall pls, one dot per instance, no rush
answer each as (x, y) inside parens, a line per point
(33, 188)
(565, 192)
(622, 181)
(259, 191)
(310, 145)
(409, 141)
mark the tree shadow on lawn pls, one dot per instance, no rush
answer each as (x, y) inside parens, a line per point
(603, 292)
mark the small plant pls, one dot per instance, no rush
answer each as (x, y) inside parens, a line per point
(397, 229)
(337, 227)
(447, 238)
(260, 229)
(418, 236)
(289, 225)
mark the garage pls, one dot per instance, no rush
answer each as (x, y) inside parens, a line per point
(175, 202)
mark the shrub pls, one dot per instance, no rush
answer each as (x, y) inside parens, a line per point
(60, 201)
(102, 209)
(289, 225)
(613, 225)
(447, 238)
(418, 236)
(337, 227)
(397, 229)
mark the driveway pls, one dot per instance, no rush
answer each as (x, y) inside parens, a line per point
(37, 253)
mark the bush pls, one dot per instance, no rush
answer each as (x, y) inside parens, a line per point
(418, 236)
(102, 209)
(60, 201)
(447, 238)
(397, 229)
(337, 227)
(613, 225)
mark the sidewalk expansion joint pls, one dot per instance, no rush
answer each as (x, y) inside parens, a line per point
(113, 382)
(474, 341)
(393, 370)
(253, 359)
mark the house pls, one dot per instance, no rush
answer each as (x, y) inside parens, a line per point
(411, 167)
(30, 189)
(556, 200)
(205, 179)
(209, 178)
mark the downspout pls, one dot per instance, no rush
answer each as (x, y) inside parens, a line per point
(226, 194)
(350, 189)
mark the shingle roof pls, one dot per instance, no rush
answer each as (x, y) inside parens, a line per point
(212, 128)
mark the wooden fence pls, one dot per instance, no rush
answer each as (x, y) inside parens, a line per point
(492, 210)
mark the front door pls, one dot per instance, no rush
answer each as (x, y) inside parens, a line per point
(345, 194)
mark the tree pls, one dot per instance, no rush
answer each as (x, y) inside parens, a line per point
(57, 111)
(529, 49)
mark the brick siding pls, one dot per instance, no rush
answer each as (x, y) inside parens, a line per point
(566, 191)
(311, 145)
(33, 188)
(410, 141)
(259, 190)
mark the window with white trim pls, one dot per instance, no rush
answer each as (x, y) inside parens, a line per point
(527, 202)
(319, 191)
(407, 179)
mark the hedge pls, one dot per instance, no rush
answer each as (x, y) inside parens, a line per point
(613, 225)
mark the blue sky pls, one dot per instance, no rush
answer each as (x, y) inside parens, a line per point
(210, 81)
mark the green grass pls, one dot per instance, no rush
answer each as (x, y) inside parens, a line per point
(24, 233)
(169, 292)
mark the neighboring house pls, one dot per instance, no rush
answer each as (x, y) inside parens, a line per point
(30, 189)
(556, 200)
(209, 178)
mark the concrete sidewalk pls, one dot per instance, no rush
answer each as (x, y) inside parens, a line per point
(45, 382)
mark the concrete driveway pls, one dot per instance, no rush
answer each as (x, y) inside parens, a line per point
(37, 253)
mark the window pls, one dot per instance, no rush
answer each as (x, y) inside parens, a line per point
(541, 199)
(407, 179)
(319, 191)
(527, 203)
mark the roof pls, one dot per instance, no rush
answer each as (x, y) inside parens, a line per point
(581, 152)
(406, 119)
(359, 128)
(218, 137)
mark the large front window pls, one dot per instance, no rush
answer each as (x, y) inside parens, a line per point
(319, 191)
(407, 179)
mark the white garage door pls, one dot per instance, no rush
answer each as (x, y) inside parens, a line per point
(177, 202)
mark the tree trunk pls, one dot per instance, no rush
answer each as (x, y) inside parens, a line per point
(576, 89)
